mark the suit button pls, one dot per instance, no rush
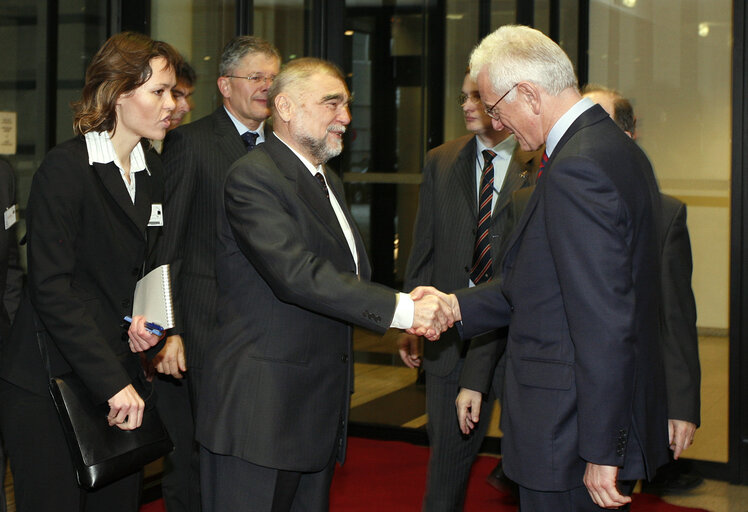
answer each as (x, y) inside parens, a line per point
(511, 308)
(344, 358)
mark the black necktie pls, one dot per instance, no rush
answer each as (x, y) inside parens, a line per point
(250, 140)
(322, 184)
(482, 270)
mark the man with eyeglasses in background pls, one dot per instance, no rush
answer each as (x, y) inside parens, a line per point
(452, 249)
(196, 158)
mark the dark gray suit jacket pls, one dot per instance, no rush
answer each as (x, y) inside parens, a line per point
(279, 374)
(580, 292)
(196, 158)
(444, 240)
(678, 333)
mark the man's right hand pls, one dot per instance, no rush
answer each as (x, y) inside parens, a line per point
(171, 359)
(468, 404)
(435, 312)
(409, 347)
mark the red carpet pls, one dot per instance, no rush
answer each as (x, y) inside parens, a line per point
(390, 476)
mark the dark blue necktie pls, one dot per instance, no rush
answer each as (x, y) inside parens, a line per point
(250, 140)
(482, 270)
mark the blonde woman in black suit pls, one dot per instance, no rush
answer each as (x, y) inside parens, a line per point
(91, 228)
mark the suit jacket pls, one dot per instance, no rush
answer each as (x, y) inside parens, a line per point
(678, 334)
(87, 246)
(196, 158)
(278, 378)
(11, 273)
(580, 291)
(679, 337)
(444, 236)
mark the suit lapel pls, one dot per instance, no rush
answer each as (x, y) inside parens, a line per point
(111, 178)
(307, 186)
(227, 136)
(464, 172)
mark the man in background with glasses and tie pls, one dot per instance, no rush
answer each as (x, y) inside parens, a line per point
(196, 159)
(460, 228)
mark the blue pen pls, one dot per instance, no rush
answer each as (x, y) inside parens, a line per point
(149, 326)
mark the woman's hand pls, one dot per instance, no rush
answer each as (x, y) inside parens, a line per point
(141, 339)
(126, 409)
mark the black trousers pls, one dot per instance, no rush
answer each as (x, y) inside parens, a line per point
(43, 475)
(180, 484)
(231, 483)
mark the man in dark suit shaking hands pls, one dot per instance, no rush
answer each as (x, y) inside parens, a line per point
(292, 277)
(584, 405)
(196, 158)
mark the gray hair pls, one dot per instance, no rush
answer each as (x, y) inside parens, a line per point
(298, 71)
(236, 49)
(515, 53)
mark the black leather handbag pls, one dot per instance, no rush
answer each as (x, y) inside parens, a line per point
(102, 454)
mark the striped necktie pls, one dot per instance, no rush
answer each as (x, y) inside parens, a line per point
(543, 161)
(482, 270)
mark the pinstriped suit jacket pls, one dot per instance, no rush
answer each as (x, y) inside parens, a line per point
(444, 233)
(196, 157)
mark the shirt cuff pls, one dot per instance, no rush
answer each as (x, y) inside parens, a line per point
(404, 312)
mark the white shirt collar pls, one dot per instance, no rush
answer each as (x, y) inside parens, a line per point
(564, 122)
(101, 151)
(260, 131)
(503, 149)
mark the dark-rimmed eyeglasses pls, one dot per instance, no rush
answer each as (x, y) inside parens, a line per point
(256, 79)
(490, 111)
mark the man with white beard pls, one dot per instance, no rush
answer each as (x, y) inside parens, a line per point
(292, 278)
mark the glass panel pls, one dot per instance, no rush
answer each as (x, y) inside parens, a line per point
(22, 88)
(503, 12)
(282, 23)
(198, 29)
(673, 60)
(462, 36)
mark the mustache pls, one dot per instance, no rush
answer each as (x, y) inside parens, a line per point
(336, 128)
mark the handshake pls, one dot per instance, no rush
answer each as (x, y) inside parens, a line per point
(434, 313)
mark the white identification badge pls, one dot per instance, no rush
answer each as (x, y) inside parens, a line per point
(11, 216)
(157, 215)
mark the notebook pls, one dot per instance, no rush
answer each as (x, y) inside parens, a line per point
(153, 297)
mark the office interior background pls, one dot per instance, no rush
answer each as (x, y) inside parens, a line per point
(683, 63)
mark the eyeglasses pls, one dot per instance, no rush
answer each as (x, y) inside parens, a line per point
(473, 97)
(256, 79)
(489, 111)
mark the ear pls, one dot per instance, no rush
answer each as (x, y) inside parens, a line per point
(530, 93)
(284, 107)
(224, 86)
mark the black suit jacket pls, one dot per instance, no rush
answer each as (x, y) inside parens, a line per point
(444, 238)
(196, 158)
(679, 337)
(580, 291)
(279, 374)
(11, 273)
(87, 246)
